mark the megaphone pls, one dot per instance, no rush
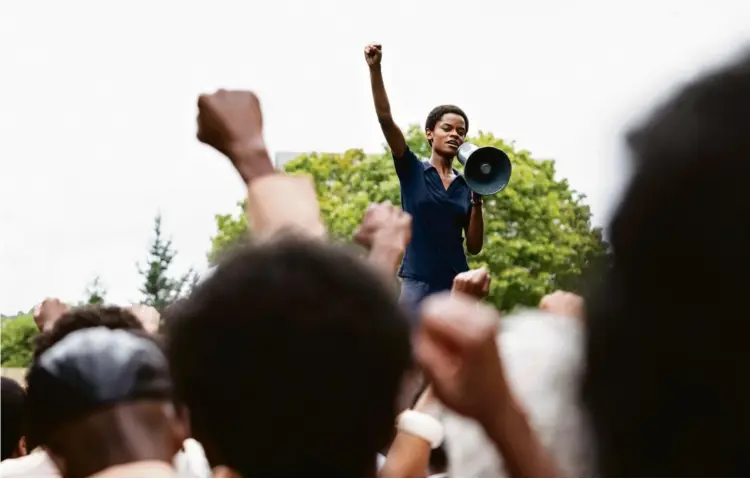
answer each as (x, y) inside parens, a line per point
(486, 169)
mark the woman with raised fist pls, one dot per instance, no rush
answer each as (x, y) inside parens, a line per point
(442, 206)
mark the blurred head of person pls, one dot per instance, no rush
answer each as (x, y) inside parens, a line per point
(101, 398)
(12, 401)
(76, 319)
(290, 358)
(667, 378)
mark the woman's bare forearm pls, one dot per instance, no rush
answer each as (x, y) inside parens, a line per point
(393, 134)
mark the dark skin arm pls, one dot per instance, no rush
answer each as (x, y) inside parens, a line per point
(475, 228)
(456, 346)
(518, 444)
(393, 134)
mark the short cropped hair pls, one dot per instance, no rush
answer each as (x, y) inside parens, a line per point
(290, 358)
(667, 368)
(437, 113)
(92, 316)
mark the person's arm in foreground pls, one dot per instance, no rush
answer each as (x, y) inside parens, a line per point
(409, 455)
(393, 134)
(232, 123)
(475, 227)
(385, 230)
(456, 346)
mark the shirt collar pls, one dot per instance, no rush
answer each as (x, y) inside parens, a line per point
(427, 166)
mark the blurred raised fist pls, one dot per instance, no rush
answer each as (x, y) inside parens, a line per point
(384, 224)
(373, 54)
(148, 316)
(232, 122)
(49, 311)
(475, 282)
(456, 346)
(562, 303)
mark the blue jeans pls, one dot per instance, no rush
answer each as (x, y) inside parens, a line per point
(413, 292)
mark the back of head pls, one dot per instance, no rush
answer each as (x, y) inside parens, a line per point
(99, 398)
(542, 356)
(13, 397)
(76, 319)
(666, 382)
(290, 358)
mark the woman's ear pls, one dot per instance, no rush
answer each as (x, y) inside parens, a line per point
(428, 134)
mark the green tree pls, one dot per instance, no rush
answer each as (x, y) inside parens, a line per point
(538, 232)
(96, 292)
(160, 288)
(17, 341)
(232, 230)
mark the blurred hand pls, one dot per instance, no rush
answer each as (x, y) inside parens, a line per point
(373, 54)
(148, 316)
(385, 225)
(232, 123)
(456, 346)
(49, 311)
(475, 282)
(562, 303)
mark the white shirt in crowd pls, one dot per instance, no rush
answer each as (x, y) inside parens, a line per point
(190, 462)
(543, 359)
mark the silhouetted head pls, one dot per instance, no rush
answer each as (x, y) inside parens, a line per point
(290, 358)
(667, 369)
(13, 398)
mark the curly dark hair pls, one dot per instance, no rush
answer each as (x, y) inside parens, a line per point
(437, 113)
(290, 358)
(112, 317)
(666, 382)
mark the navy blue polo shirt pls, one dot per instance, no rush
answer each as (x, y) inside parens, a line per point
(435, 254)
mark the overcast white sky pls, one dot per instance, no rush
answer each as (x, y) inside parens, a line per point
(97, 116)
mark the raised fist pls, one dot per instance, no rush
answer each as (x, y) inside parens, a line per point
(457, 349)
(475, 282)
(384, 224)
(49, 311)
(373, 54)
(562, 303)
(148, 316)
(232, 122)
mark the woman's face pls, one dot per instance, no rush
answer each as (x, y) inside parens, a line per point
(448, 135)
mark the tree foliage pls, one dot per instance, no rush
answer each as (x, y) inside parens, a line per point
(17, 341)
(160, 288)
(538, 232)
(231, 230)
(96, 292)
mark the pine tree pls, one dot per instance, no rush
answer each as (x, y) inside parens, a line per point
(159, 288)
(96, 292)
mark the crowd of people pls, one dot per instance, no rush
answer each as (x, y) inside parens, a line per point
(295, 357)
